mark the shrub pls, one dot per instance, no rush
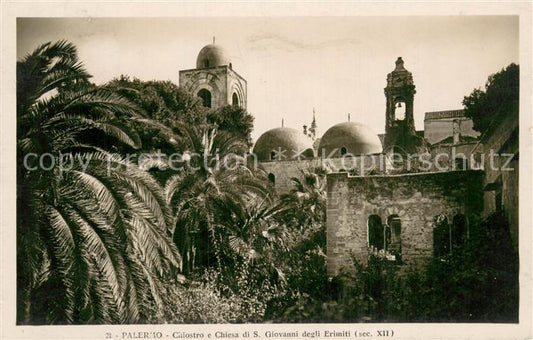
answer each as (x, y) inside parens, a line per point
(203, 301)
(476, 282)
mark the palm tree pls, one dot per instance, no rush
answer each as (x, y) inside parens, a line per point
(249, 237)
(91, 230)
(280, 242)
(217, 173)
(307, 195)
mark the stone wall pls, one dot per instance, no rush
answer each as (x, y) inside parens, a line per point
(284, 171)
(213, 79)
(502, 179)
(366, 165)
(415, 198)
(439, 125)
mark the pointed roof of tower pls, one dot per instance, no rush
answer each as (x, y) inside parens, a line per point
(400, 76)
(399, 65)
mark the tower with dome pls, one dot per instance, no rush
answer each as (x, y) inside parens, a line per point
(214, 79)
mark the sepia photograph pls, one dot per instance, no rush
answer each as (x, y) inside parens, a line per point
(278, 171)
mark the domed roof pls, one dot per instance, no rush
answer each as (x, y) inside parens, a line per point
(211, 56)
(350, 137)
(285, 142)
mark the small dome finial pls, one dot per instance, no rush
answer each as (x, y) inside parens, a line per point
(213, 40)
(399, 64)
(282, 122)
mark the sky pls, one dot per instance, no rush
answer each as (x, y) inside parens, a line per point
(336, 65)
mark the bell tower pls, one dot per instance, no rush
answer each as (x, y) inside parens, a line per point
(214, 80)
(400, 132)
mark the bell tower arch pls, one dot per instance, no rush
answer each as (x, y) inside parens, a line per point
(400, 132)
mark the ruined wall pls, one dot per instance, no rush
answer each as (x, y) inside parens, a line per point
(362, 165)
(415, 198)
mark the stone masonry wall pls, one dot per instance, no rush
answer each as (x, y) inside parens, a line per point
(504, 142)
(212, 79)
(415, 198)
(285, 170)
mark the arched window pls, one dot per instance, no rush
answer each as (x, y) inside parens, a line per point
(399, 109)
(441, 236)
(396, 225)
(272, 155)
(206, 63)
(394, 238)
(343, 151)
(230, 66)
(272, 178)
(206, 97)
(235, 100)
(376, 236)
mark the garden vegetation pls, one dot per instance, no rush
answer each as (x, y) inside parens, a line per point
(141, 242)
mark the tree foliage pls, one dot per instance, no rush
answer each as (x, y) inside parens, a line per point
(235, 120)
(91, 227)
(173, 107)
(500, 99)
(478, 282)
(217, 177)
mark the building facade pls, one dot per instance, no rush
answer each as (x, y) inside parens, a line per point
(405, 210)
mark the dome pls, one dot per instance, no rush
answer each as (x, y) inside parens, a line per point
(211, 56)
(284, 141)
(352, 138)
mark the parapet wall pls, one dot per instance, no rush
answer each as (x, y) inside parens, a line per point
(284, 171)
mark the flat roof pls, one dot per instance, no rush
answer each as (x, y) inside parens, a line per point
(444, 114)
